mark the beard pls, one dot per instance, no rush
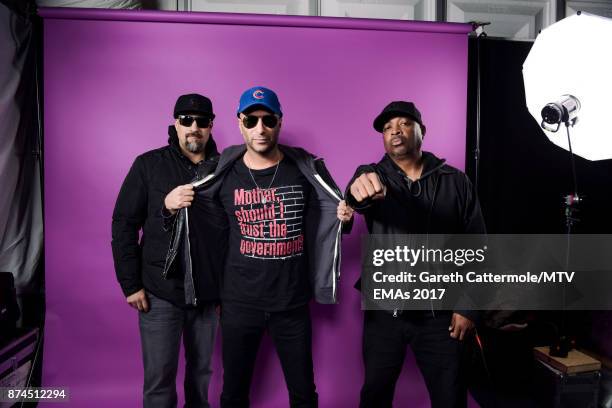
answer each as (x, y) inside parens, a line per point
(196, 144)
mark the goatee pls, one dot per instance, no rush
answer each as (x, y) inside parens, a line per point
(195, 146)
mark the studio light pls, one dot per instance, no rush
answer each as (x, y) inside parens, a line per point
(567, 81)
(562, 111)
(567, 76)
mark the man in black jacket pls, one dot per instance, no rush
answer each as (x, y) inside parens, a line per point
(171, 305)
(413, 192)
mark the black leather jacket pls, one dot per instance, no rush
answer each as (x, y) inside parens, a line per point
(323, 229)
(139, 261)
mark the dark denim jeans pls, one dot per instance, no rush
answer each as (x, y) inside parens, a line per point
(161, 329)
(438, 356)
(291, 331)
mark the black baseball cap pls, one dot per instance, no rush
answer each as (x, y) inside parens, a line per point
(398, 109)
(193, 103)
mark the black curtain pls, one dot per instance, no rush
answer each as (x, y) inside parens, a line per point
(521, 178)
(25, 30)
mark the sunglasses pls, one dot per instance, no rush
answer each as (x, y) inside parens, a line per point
(269, 121)
(201, 121)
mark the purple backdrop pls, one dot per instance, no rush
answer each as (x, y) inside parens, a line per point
(111, 79)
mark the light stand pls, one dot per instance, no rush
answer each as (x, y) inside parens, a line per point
(478, 28)
(548, 72)
(571, 201)
(566, 111)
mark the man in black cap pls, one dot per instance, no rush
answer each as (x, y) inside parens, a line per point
(413, 192)
(171, 303)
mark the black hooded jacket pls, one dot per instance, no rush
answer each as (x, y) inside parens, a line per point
(139, 261)
(441, 201)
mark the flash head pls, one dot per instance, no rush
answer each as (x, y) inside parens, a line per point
(564, 110)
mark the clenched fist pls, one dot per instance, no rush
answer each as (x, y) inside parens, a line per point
(180, 197)
(367, 186)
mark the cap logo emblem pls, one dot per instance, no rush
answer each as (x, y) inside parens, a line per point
(258, 94)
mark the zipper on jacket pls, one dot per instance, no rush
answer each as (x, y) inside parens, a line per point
(170, 259)
(336, 260)
(394, 312)
(327, 187)
(203, 180)
(433, 200)
(190, 266)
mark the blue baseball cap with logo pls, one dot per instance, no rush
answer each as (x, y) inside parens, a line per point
(262, 97)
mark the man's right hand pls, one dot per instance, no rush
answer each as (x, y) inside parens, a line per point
(138, 300)
(180, 197)
(368, 186)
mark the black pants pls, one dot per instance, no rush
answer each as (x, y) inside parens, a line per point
(438, 356)
(161, 329)
(291, 331)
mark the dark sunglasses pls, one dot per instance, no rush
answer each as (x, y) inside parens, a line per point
(201, 121)
(269, 121)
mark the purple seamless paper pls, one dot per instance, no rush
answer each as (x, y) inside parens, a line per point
(111, 80)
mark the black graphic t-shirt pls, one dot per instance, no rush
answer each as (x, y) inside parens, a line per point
(266, 266)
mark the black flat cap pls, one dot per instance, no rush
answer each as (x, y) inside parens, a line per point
(398, 109)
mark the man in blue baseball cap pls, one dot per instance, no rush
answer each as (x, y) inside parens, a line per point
(285, 216)
(259, 119)
(278, 209)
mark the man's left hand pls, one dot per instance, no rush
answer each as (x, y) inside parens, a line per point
(460, 326)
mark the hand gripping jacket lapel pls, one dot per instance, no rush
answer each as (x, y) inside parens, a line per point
(323, 229)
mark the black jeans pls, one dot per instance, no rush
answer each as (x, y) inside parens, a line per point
(291, 333)
(438, 356)
(161, 329)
